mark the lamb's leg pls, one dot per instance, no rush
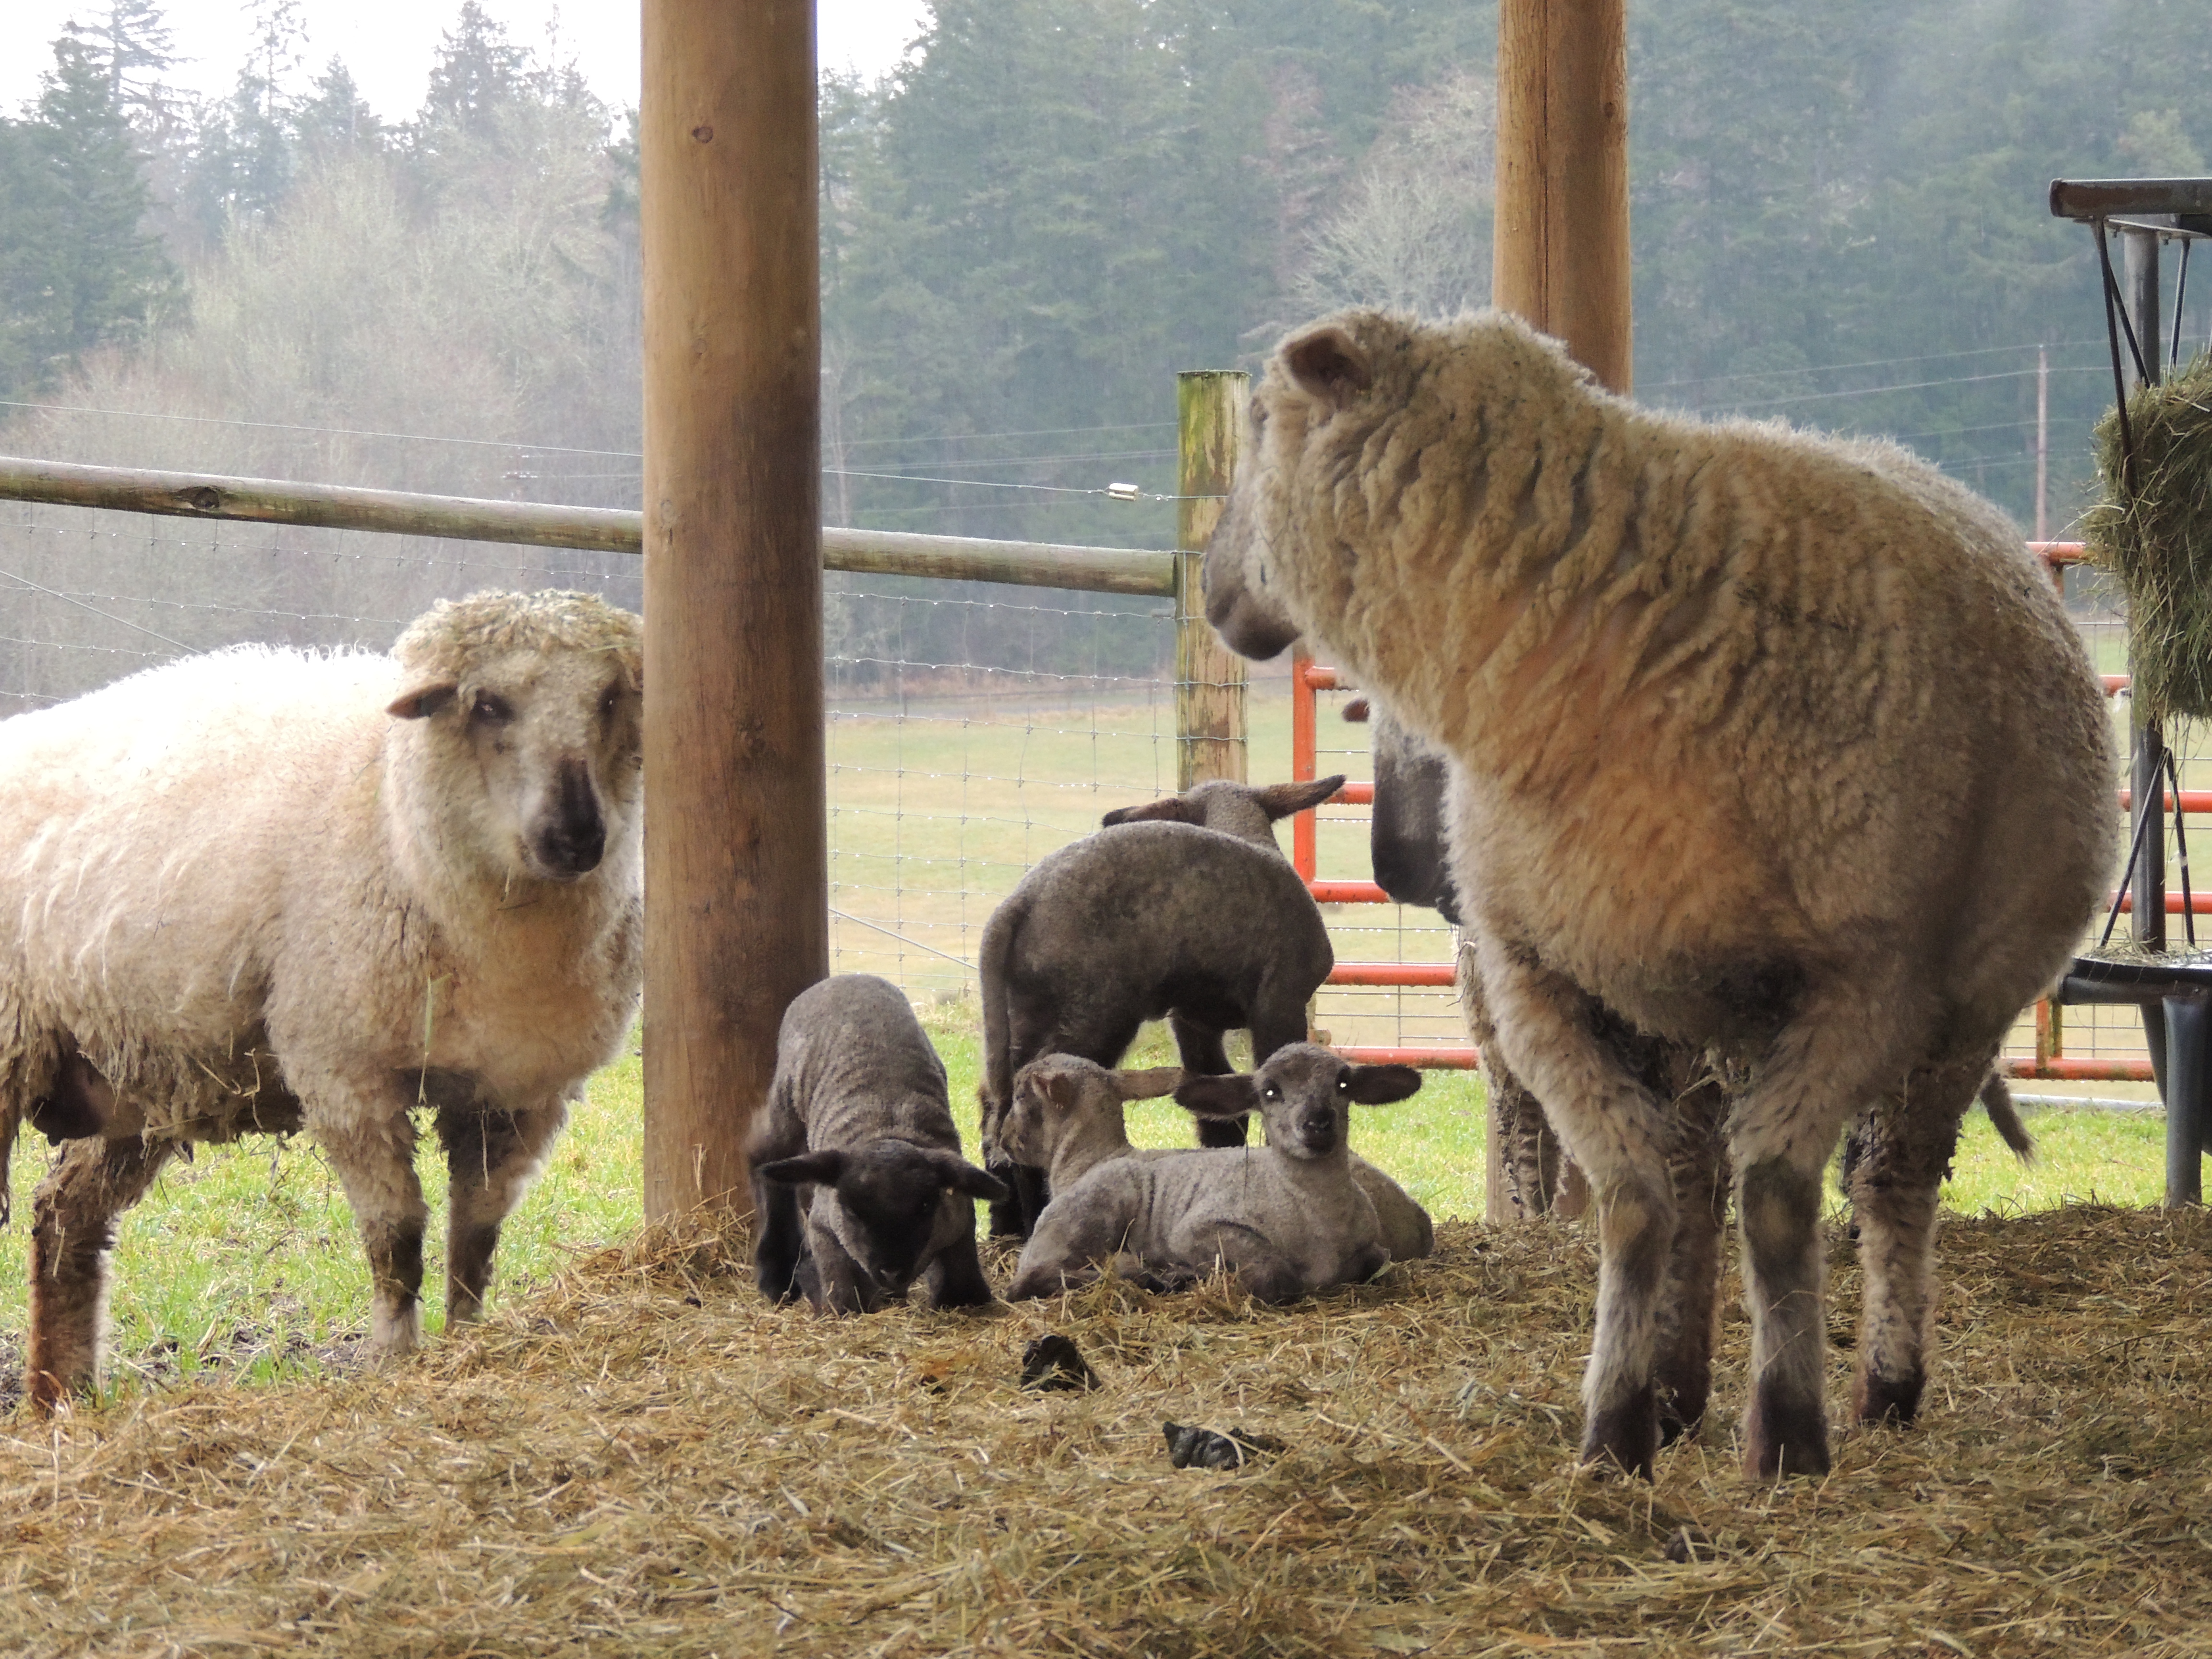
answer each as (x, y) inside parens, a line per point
(373, 1151)
(1906, 1148)
(780, 1245)
(1200, 1049)
(1548, 1029)
(73, 1217)
(491, 1157)
(1823, 1068)
(1685, 1368)
(956, 1278)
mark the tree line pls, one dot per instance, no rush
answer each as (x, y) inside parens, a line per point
(1027, 227)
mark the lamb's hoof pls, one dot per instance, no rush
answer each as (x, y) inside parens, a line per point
(1191, 1447)
(1784, 1438)
(1623, 1437)
(1877, 1398)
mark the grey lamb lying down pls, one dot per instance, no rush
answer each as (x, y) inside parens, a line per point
(1287, 1218)
(857, 1174)
(1068, 1118)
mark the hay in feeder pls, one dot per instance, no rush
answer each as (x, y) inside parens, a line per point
(647, 1459)
(2156, 538)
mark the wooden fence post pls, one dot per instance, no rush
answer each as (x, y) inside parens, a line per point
(1209, 730)
(736, 860)
(1560, 255)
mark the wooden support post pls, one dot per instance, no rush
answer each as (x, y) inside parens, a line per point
(1561, 251)
(1210, 736)
(736, 862)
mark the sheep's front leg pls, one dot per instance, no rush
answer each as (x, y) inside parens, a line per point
(1547, 1027)
(1826, 1065)
(373, 1152)
(1905, 1154)
(74, 1214)
(491, 1157)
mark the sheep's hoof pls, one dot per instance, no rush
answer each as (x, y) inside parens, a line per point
(1783, 1436)
(1877, 1398)
(1623, 1437)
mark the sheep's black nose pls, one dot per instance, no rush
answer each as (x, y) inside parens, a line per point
(573, 837)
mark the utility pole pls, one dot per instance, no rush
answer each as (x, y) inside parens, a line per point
(2042, 441)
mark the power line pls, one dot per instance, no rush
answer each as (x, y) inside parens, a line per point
(1873, 362)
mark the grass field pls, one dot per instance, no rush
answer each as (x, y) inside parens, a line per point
(245, 1260)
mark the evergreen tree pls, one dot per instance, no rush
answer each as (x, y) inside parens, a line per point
(76, 270)
(334, 119)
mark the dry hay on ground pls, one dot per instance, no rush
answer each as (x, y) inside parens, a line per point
(649, 1459)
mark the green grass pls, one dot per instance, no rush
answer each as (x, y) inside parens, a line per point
(244, 1261)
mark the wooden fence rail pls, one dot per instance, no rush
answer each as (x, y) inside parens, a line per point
(607, 530)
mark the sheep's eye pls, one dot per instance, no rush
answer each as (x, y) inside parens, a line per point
(1271, 1092)
(1343, 1083)
(607, 702)
(491, 708)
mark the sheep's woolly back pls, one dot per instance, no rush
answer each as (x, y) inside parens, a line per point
(445, 640)
(1715, 689)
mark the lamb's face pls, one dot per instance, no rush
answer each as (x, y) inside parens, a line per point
(553, 743)
(897, 1205)
(1304, 1094)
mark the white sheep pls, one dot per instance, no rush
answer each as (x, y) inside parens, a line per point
(1772, 744)
(272, 890)
(1288, 1219)
(1068, 1118)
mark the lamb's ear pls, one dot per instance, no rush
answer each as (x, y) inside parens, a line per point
(1378, 1086)
(962, 1177)
(1171, 809)
(1281, 800)
(419, 701)
(1148, 1084)
(1327, 365)
(1233, 1095)
(822, 1167)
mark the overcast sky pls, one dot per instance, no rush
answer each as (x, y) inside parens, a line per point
(387, 44)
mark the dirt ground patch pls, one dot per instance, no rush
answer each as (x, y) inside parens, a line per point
(647, 1459)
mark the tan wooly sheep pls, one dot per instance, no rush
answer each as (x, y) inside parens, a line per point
(1067, 1118)
(272, 890)
(858, 1179)
(1767, 744)
(1183, 908)
(1287, 1218)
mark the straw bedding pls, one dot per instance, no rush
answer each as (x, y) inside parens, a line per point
(645, 1458)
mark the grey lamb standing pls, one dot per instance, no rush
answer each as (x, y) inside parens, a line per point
(1772, 745)
(1183, 908)
(858, 1179)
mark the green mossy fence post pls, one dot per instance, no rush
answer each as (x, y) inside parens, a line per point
(1209, 730)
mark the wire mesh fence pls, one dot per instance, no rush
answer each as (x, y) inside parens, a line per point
(973, 729)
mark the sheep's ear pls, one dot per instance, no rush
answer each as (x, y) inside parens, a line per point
(962, 1177)
(419, 701)
(1327, 365)
(1281, 800)
(1148, 1084)
(1378, 1086)
(1171, 809)
(822, 1167)
(1210, 1096)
